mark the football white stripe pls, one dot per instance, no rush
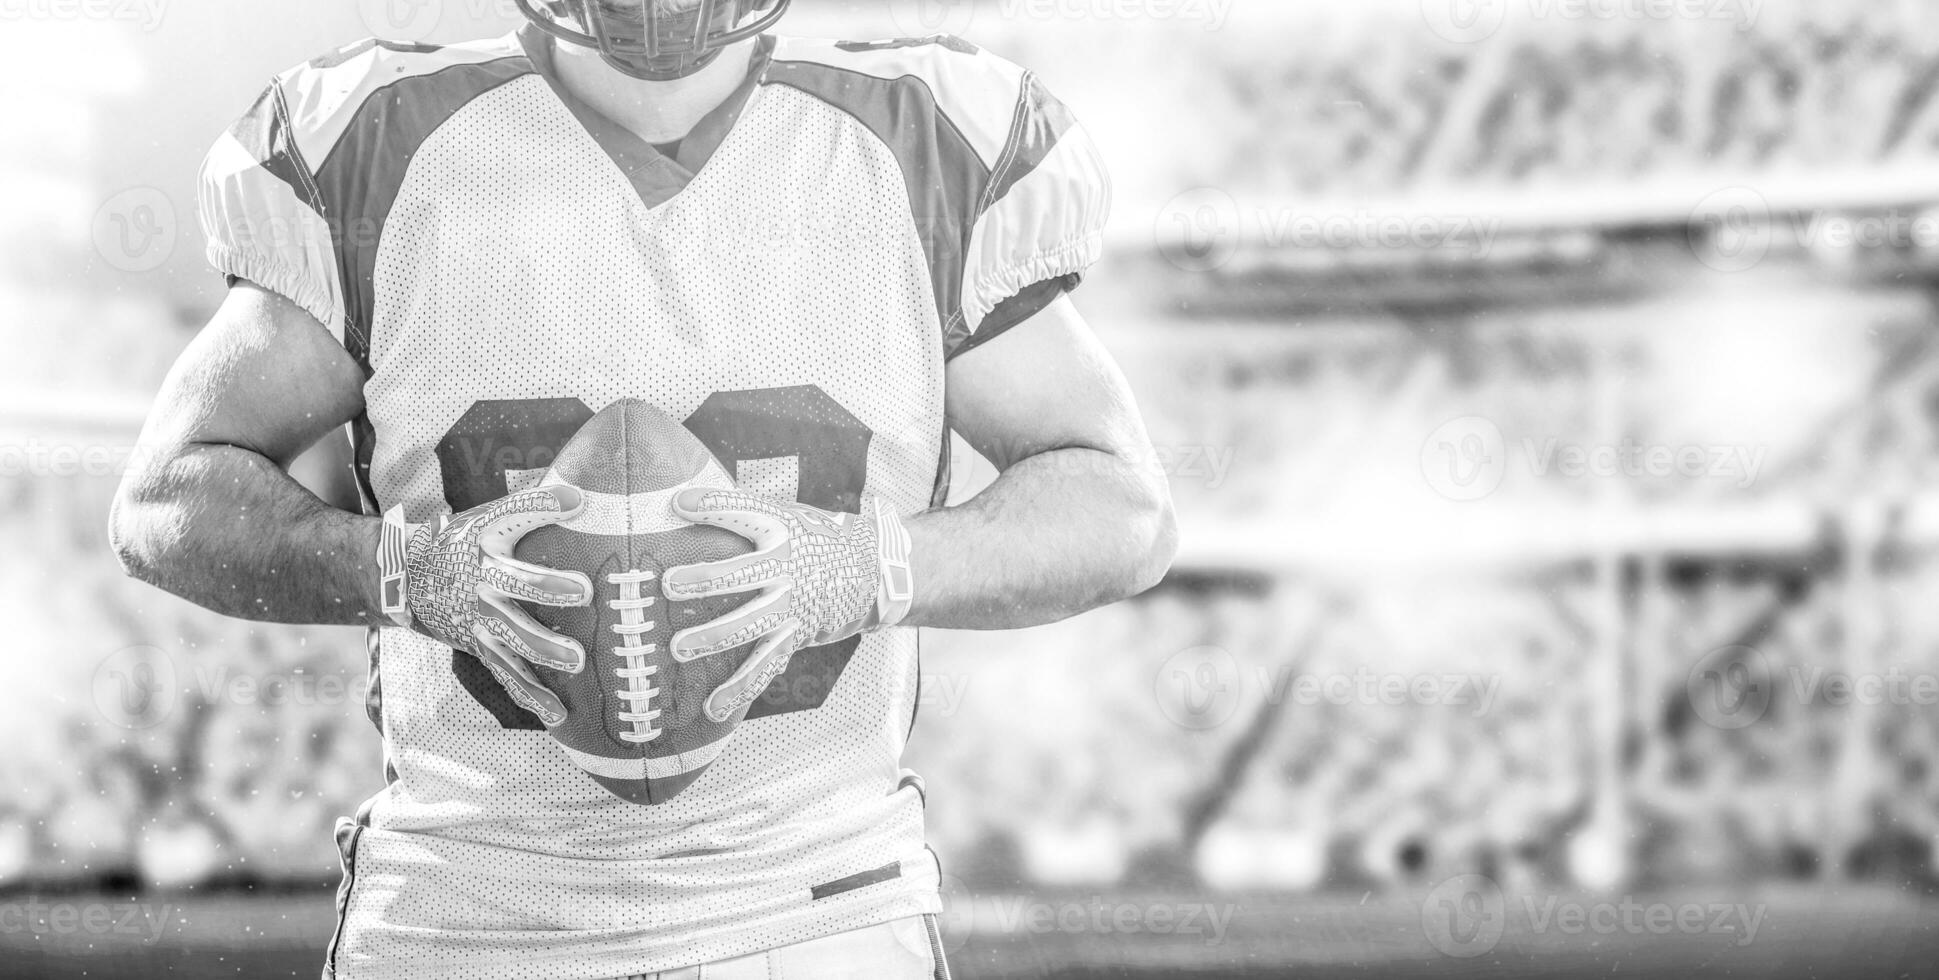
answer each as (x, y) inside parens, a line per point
(642, 768)
(619, 515)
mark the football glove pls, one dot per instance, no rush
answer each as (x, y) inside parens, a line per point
(455, 581)
(822, 577)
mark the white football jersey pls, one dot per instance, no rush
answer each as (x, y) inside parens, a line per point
(791, 281)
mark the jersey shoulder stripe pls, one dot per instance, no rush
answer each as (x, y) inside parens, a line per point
(294, 196)
(327, 94)
(974, 90)
(944, 172)
(1007, 191)
(365, 169)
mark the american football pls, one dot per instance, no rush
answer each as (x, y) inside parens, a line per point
(634, 718)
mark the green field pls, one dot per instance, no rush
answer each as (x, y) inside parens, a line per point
(1802, 932)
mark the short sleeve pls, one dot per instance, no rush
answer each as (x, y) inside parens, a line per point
(262, 216)
(1042, 223)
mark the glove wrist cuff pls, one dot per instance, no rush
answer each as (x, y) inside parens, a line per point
(393, 559)
(895, 592)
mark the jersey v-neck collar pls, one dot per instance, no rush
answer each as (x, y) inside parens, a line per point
(656, 177)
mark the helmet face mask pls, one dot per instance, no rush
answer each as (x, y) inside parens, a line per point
(655, 40)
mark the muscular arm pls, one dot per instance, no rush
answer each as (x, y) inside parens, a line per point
(1080, 516)
(213, 516)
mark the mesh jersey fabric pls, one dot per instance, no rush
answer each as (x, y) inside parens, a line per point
(489, 260)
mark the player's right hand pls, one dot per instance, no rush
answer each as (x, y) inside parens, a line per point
(456, 582)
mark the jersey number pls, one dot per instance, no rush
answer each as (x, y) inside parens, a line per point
(828, 443)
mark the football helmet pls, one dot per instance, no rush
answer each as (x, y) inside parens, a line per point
(655, 40)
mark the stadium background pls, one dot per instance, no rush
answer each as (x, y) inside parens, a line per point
(1547, 390)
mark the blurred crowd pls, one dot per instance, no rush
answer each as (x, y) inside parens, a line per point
(1551, 101)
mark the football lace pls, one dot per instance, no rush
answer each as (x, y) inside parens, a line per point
(636, 675)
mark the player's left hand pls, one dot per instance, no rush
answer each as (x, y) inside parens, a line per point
(823, 577)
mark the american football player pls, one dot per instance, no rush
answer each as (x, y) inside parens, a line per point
(822, 256)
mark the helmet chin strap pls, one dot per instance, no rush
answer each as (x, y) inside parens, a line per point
(644, 63)
(687, 68)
